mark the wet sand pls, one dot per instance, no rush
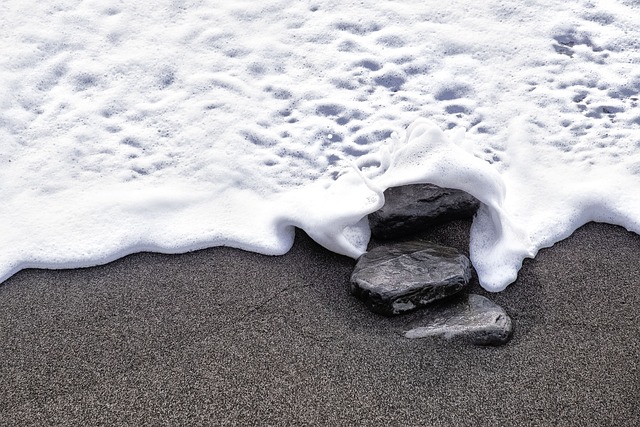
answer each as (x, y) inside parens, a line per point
(226, 337)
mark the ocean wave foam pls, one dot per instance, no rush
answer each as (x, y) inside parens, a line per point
(174, 126)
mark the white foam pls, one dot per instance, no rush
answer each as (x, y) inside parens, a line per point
(174, 126)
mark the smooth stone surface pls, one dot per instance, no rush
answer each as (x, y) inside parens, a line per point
(471, 317)
(401, 277)
(413, 208)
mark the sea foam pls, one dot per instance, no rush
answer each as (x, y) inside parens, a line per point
(175, 126)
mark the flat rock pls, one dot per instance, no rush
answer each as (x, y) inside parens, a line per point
(401, 277)
(413, 208)
(471, 317)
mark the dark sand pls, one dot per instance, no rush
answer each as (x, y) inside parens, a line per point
(225, 337)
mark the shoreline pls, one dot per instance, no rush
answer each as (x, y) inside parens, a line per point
(223, 336)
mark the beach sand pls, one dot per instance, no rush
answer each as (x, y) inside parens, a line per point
(226, 337)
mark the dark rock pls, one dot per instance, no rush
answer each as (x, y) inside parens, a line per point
(404, 276)
(413, 208)
(473, 318)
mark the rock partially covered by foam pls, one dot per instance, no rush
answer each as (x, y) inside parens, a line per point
(470, 317)
(413, 208)
(401, 277)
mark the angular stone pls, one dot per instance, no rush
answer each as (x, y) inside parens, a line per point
(471, 317)
(401, 277)
(413, 208)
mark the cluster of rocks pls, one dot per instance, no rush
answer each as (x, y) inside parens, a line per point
(403, 276)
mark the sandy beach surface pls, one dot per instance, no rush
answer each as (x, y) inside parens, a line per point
(226, 337)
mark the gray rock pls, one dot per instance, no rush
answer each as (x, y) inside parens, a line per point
(401, 277)
(413, 208)
(473, 318)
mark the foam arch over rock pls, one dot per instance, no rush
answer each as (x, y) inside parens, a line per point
(428, 155)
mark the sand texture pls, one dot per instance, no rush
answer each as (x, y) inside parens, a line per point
(226, 337)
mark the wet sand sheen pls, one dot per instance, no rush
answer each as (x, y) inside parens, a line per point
(222, 336)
